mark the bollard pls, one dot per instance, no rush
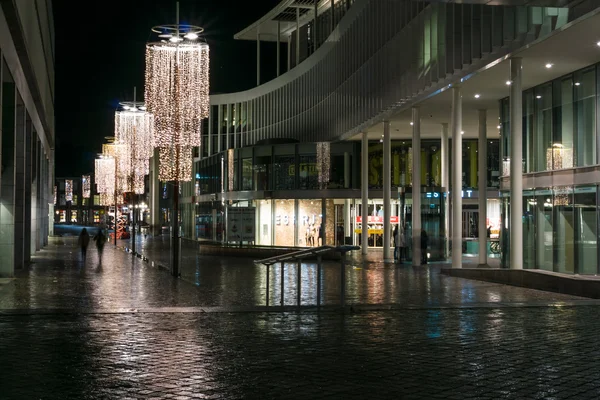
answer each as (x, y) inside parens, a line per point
(343, 280)
(299, 285)
(282, 283)
(319, 259)
(268, 268)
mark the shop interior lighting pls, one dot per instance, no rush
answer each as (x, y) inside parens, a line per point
(549, 65)
(538, 97)
(577, 83)
(508, 82)
(477, 96)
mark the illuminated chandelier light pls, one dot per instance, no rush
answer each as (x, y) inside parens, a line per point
(86, 186)
(69, 190)
(105, 176)
(323, 163)
(134, 134)
(177, 89)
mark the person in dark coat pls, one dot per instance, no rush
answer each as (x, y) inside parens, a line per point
(84, 240)
(100, 240)
(424, 244)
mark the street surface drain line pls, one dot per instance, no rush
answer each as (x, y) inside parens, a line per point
(290, 309)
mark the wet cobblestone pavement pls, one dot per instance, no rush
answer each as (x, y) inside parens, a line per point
(70, 330)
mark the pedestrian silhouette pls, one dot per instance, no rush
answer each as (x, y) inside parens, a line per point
(100, 240)
(84, 240)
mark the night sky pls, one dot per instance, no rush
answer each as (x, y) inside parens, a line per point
(100, 58)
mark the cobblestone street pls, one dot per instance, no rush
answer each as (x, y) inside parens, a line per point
(127, 330)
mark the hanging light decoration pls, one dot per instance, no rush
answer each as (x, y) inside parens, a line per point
(134, 133)
(86, 186)
(105, 178)
(55, 190)
(69, 190)
(177, 89)
(323, 163)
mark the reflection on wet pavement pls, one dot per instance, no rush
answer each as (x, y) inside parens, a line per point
(60, 279)
(121, 330)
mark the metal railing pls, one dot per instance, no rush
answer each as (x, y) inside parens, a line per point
(298, 256)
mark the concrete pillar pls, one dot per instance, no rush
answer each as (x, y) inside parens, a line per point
(387, 191)
(258, 56)
(7, 180)
(456, 192)
(516, 169)
(278, 48)
(28, 216)
(19, 204)
(347, 184)
(155, 190)
(482, 186)
(445, 169)
(416, 187)
(364, 169)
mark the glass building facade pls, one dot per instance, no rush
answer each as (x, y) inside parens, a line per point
(560, 154)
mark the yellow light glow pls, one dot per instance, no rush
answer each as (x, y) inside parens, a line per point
(177, 88)
(134, 131)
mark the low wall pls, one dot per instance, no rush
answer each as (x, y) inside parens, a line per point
(533, 279)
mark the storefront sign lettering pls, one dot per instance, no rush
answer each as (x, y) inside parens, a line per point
(394, 219)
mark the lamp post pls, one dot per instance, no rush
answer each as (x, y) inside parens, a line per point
(177, 89)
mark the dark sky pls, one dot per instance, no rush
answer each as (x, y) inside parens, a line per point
(100, 58)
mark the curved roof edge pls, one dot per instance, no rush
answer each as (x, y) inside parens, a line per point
(266, 23)
(299, 70)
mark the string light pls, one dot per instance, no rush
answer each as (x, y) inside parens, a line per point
(134, 132)
(323, 163)
(105, 178)
(55, 190)
(177, 88)
(69, 190)
(230, 171)
(86, 186)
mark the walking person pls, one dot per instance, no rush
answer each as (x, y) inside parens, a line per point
(100, 240)
(402, 253)
(424, 244)
(84, 240)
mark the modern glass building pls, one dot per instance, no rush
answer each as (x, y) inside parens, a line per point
(331, 142)
(27, 134)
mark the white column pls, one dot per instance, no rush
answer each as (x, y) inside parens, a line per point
(387, 191)
(258, 56)
(482, 166)
(516, 169)
(364, 169)
(456, 192)
(347, 214)
(278, 48)
(445, 168)
(416, 187)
